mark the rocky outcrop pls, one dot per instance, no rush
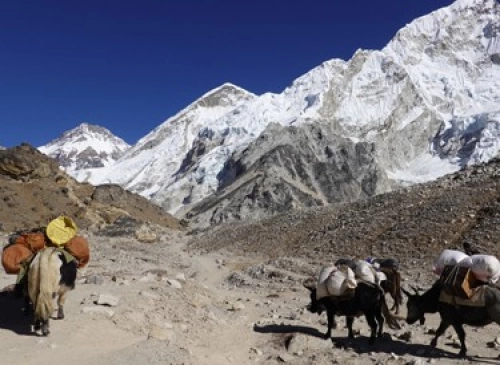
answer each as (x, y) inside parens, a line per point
(34, 190)
(25, 163)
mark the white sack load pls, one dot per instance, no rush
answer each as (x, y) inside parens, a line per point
(335, 281)
(448, 258)
(380, 276)
(366, 272)
(485, 268)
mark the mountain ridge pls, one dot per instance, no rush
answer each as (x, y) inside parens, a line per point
(428, 102)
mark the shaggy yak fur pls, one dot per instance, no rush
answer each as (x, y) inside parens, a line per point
(49, 276)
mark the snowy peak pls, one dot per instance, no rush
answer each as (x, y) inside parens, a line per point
(155, 159)
(201, 112)
(224, 95)
(86, 146)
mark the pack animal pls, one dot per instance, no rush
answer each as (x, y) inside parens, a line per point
(49, 276)
(366, 299)
(392, 285)
(453, 315)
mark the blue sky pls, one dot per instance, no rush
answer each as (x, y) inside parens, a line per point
(129, 65)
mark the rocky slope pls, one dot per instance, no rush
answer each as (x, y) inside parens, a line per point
(412, 224)
(34, 190)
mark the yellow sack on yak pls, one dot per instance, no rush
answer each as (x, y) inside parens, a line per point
(61, 230)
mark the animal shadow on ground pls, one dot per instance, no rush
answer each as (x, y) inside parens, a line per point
(12, 317)
(282, 328)
(384, 345)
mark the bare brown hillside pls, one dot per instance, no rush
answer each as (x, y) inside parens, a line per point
(34, 190)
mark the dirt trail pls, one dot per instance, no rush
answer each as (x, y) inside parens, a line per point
(175, 307)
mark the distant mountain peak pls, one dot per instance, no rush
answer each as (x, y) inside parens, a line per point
(223, 95)
(85, 146)
(86, 128)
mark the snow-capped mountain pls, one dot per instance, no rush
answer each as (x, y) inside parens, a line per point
(85, 147)
(154, 163)
(425, 105)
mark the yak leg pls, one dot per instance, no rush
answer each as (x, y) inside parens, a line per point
(372, 322)
(349, 322)
(380, 319)
(28, 306)
(330, 315)
(61, 299)
(45, 327)
(37, 325)
(442, 327)
(461, 336)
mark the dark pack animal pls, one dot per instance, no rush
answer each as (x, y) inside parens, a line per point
(51, 274)
(367, 299)
(392, 285)
(452, 314)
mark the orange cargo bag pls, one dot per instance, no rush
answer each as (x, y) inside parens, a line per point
(13, 256)
(34, 241)
(78, 246)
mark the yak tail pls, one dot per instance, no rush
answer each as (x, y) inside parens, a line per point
(43, 282)
(391, 319)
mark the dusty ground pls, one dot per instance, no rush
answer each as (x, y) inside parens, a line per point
(163, 304)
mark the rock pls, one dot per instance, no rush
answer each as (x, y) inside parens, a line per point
(107, 312)
(405, 336)
(284, 357)
(107, 300)
(257, 351)
(180, 277)
(162, 334)
(297, 344)
(146, 235)
(416, 362)
(237, 306)
(174, 284)
(148, 278)
(95, 280)
(149, 295)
